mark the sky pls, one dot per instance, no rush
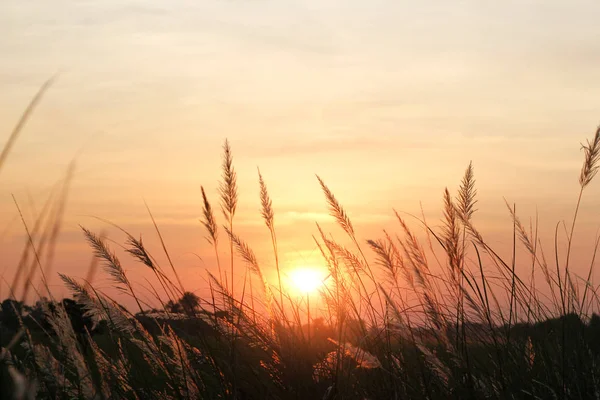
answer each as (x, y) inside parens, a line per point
(387, 101)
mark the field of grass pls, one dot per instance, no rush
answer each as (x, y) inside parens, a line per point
(433, 314)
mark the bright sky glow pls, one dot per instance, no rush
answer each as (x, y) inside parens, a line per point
(307, 279)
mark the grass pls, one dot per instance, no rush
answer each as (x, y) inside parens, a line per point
(408, 315)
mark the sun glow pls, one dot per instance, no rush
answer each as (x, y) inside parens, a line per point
(306, 279)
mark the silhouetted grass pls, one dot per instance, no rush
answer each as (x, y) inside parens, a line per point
(447, 317)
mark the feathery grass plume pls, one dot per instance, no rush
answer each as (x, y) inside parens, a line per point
(210, 224)
(50, 371)
(327, 369)
(439, 369)
(245, 252)
(92, 269)
(82, 296)
(521, 231)
(338, 298)
(336, 209)
(475, 234)
(226, 322)
(388, 257)
(465, 208)
(398, 320)
(363, 358)
(113, 373)
(248, 256)
(331, 260)
(58, 218)
(397, 262)
(407, 273)
(209, 220)
(354, 267)
(229, 198)
(151, 352)
(97, 307)
(69, 348)
(451, 236)
(266, 203)
(498, 261)
(328, 257)
(588, 172)
(219, 288)
(269, 217)
(354, 264)
(155, 357)
(531, 246)
(592, 158)
(415, 255)
(138, 251)
(228, 187)
(179, 364)
(477, 308)
(415, 249)
(112, 265)
(466, 194)
(23, 120)
(427, 290)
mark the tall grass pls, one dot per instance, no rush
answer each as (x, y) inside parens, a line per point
(445, 316)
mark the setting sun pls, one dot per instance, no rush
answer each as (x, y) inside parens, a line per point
(306, 279)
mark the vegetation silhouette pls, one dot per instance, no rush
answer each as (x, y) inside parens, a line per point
(433, 313)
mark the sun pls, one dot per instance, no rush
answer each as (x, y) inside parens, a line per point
(306, 279)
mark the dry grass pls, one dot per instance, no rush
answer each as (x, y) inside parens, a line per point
(396, 325)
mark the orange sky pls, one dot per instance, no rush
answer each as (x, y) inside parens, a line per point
(387, 101)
